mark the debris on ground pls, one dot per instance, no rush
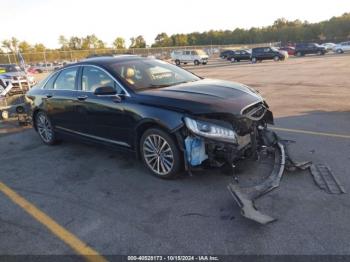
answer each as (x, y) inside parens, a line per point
(245, 196)
(325, 179)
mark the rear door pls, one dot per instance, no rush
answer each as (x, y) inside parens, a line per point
(60, 98)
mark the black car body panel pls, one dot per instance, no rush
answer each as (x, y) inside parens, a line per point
(201, 97)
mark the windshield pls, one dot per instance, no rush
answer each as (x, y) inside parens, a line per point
(9, 69)
(274, 49)
(151, 73)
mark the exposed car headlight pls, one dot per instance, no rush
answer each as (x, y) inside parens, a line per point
(211, 130)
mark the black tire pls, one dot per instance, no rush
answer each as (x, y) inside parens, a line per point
(276, 58)
(233, 60)
(204, 63)
(196, 62)
(320, 53)
(44, 128)
(177, 62)
(339, 51)
(171, 170)
(299, 54)
(254, 60)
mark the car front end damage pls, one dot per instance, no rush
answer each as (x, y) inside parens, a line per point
(222, 140)
(219, 139)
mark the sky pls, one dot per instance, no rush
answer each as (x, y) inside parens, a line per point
(42, 21)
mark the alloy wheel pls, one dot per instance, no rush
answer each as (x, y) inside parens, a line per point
(44, 128)
(158, 154)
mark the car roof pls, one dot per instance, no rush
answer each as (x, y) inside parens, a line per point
(106, 60)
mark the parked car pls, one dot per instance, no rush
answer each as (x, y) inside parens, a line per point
(239, 55)
(169, 118)
(309, 48)
(342, 47)
(19, 79)
(268, 53)
(225, 53)
(328, 46)
(289, 49)
(196, 56)
(45, 67)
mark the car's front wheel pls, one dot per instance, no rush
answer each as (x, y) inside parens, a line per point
(196, 62)
(160, 153)
(44, 128)
(299, 54)
(339, 51)
(177, 62)
(254, 60)
(276, 58)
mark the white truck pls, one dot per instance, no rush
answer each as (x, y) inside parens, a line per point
(195, 56)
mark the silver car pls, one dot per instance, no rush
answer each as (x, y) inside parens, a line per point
(342, 47)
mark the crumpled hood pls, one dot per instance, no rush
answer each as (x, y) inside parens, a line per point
(203, 97)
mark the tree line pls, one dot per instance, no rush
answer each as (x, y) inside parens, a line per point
(335, 29)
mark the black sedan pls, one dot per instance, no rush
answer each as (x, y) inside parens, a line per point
(170, 118)
(239, 55)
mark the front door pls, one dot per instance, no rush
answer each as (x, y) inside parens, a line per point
(103, 115)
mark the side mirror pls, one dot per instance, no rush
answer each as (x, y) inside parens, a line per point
(105, 90)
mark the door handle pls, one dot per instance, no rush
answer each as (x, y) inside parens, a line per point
(82, 98)
(49, 95)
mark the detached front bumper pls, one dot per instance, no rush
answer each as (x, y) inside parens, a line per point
(245, 197)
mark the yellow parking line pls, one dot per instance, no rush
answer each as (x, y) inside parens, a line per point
(76, 244)
(310, 132)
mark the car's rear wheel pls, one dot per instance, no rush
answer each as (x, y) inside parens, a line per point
(276, 58)
(177, 62)
(254, 60)
(339, 51)
(160, 153)
(44, 128)
(233, 60)
(196, 62)
(319, 52)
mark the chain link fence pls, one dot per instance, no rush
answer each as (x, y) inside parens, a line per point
(51, 56)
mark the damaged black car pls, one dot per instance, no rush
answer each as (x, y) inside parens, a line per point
(173, 120)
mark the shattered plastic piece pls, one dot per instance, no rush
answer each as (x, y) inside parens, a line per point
(325, 179)
(247, 206)
(245, 197)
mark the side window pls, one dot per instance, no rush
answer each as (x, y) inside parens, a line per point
(188, 52)
(266, 50)
(193, 52)
(66, 79)
(49, 83)
(93, 77)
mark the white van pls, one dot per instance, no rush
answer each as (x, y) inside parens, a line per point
(196, 56)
